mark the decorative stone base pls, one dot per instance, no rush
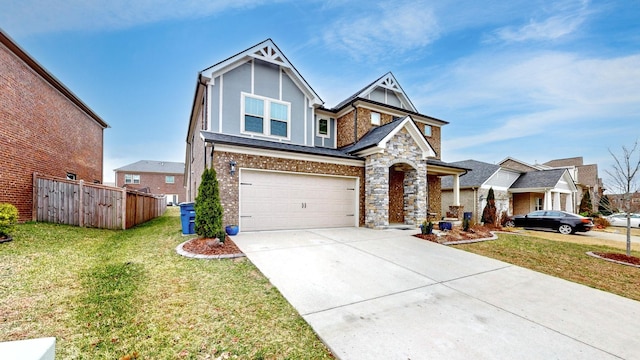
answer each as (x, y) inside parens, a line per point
(456, 211)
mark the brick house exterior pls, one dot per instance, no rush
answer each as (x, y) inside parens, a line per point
(44, 128)
(284, 161)
(156, 177)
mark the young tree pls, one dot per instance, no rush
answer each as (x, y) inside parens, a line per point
(489, 214)
(208, 208)
(585, 204)
(624, 181)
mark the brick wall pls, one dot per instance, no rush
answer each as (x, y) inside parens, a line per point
(435, 140)
(41, 131)
(434, 194)
(229, 186)
(156, 183)
(345, 129)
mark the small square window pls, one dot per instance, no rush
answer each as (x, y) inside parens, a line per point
(323, 127)
(375, 118)
(169, 179)
(427, 130)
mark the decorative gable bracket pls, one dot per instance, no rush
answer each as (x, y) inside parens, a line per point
(270, 54)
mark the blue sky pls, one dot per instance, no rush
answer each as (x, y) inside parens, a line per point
(535, 80)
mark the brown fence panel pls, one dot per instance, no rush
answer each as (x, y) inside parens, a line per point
(73, 202)
(143, 207)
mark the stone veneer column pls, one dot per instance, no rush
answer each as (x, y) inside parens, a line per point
(376, 192)
(415, 195)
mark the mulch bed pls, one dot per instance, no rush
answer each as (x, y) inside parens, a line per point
(456, 234)
(204, 246)
(620, 257)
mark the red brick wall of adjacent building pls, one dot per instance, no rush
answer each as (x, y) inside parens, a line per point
(156, 183)
(42, 131)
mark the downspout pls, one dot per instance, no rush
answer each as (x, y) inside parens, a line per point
(355, 124)
(212, 148)
(475, 204)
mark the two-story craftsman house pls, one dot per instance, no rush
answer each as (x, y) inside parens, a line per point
(285, 161)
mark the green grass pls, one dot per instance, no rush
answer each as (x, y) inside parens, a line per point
(111, 294)
(567, 260)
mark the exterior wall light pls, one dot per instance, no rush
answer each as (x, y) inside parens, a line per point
(232, 167)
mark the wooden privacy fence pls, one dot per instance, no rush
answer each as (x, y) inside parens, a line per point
(77, 203)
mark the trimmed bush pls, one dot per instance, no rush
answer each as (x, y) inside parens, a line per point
(208, 208)
(8, 218)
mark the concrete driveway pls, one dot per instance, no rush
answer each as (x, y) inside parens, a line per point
(384, 294)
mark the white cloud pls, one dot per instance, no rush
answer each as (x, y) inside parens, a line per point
(565, 18)
(39, 16)
(393, 27)
(536, 103)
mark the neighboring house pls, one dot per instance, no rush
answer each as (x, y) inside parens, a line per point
(475, 185)
(618, 202)
(516, 191)
(585, 177)
(44, 128)
(285, 161)
(155, 177)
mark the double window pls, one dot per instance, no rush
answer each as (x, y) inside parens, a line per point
(131, 179)
(265, 116)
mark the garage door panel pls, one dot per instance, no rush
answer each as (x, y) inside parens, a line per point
(272, 201)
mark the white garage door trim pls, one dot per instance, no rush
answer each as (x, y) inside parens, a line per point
(281, 200)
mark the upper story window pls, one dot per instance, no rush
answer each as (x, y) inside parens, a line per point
(323, 128)
(169, 179)
(427, 130)
(375, 118)
(131, 179)
(265, 116)
(71, 176)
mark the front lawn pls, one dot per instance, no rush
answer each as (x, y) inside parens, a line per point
(565, 260)
(126, 294)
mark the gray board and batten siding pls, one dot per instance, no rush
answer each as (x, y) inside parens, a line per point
(266, 83)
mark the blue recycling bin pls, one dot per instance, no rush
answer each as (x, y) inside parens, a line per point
(188, 218)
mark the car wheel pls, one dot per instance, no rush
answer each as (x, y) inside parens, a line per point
(565, 229)
(510, 223)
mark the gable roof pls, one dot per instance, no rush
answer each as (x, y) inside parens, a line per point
(151, 166)
(376, 139)
(266, 51)
(479, 174)
(539, 179)
(48, 77)
(386, 81)
(525, 164)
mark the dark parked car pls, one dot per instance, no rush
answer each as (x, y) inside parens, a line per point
(563, 222)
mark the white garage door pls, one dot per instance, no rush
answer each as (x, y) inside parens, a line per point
(278, 201)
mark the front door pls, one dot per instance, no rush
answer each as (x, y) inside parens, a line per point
(396, 196)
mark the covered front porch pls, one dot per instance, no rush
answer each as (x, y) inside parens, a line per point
(435, 170)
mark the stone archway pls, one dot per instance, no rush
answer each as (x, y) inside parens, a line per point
(402, 194)
(400, 163)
